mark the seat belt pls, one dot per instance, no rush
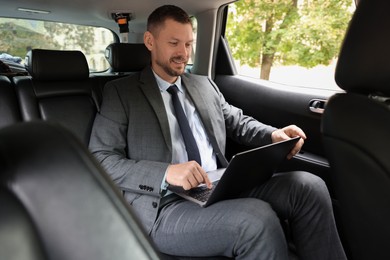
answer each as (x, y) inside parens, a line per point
(122, 19)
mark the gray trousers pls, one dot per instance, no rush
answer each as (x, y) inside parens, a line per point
(250, 227)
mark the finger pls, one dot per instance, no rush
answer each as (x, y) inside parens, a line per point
(193, 181)
(296, 149)
(279, 135)
(207, 181)
(284, 135)
(198, 174)
(186, 185)
(292, 153)
(299, 144)
(294, 130)
(202, 177)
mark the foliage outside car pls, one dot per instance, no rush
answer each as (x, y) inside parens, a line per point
(261, 33)
(287, 32)
(19, 35)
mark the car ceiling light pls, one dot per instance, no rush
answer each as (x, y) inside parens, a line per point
(34, 11)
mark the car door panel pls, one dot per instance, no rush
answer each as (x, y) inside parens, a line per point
(279, 106)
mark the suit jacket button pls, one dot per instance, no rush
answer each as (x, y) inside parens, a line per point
(141, 187)
(154, 204)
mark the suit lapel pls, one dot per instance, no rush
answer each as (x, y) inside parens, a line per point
(195, 91)
(201, 106)
(152, 93)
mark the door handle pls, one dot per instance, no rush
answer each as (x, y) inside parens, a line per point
(317, 105)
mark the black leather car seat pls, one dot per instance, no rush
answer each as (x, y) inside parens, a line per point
(127, 58)
(19, 238)
(124, 59)
(59, 89)
(356, 128)
(57, 203)
(9, 108)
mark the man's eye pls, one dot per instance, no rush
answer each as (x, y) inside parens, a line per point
(173, 43)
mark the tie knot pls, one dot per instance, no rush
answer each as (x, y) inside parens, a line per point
(172, 89)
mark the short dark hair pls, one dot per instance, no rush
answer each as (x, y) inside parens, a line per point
(162, 13)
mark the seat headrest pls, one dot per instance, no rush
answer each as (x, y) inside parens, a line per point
(57, 65)
(364, 61)
(127, 57)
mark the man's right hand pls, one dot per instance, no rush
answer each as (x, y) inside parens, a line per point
(187, 175)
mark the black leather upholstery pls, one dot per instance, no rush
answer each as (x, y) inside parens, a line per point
(127, 57)
(9, 108)
(57, 65)
(19, 238)
(59, 89)
(363, 64)
(57, 203)
(356, 127)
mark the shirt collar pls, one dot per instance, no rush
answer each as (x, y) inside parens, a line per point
(164, 85)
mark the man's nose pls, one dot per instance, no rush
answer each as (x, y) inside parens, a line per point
(183, 50)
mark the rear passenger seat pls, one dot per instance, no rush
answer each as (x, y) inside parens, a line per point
(124, 59)
(9, 108)
(58, 89)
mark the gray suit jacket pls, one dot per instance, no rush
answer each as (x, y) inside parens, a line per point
(131, 136)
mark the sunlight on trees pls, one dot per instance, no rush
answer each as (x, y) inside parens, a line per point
(264, 33)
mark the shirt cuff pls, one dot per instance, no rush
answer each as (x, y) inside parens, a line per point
(164, 184)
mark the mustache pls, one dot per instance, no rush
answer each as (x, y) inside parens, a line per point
(179, 59)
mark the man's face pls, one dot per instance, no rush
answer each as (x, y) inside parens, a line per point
(171, 47)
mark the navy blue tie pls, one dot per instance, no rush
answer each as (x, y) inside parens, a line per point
(189, 140)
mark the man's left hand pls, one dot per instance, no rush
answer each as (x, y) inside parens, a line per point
(286, 133)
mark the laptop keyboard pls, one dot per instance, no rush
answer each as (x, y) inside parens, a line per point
(200, 193)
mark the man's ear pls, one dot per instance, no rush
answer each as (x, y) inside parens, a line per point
(148, 40)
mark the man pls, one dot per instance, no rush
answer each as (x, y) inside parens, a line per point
(137, 138)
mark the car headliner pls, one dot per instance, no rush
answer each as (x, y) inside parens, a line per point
(98, 12)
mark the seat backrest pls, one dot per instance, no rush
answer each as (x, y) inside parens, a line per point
(19, 238)
(9, 108)
(50, 181)
(356, 127)
(58, 89)
(124, 59)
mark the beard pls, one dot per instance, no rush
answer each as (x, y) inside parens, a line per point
(169, 70)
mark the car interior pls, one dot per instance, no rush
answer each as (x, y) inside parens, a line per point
(42, 218)
(56, 202)
(358, 150)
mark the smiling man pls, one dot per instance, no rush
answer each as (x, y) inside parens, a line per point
(142, 140)
(171, 49)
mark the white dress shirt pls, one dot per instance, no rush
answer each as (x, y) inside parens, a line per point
(179, 153)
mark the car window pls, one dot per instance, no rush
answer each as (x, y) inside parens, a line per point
(195, 30)
(294, 42)
(19, 35)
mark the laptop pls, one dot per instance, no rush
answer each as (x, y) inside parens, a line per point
(245, 171)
